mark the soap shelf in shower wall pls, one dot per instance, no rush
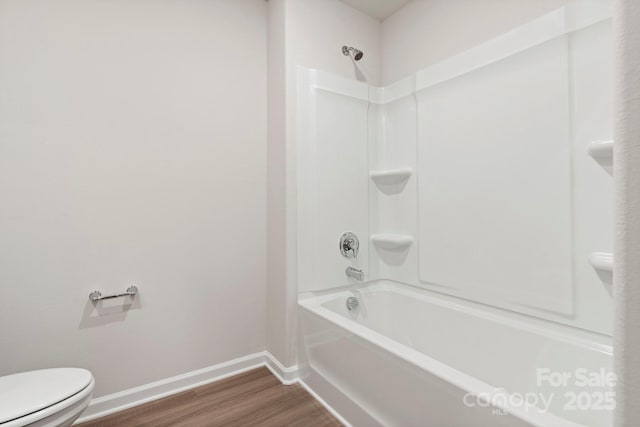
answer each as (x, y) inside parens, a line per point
(391, 177)
(602, 261)
(392, 242)
(602, 152)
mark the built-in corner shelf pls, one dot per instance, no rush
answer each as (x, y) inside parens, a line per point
(602, 152)
(391, 177)
(602, 261)
(392, 242)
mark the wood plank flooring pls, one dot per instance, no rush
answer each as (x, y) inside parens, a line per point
(254, 398)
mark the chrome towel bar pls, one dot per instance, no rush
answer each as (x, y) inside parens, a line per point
(97, 295)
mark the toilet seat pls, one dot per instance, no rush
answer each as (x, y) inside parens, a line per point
(45, 397)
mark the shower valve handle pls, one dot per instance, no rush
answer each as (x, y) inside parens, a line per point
(349, 245)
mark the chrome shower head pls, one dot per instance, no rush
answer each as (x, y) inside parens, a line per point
(357, 53)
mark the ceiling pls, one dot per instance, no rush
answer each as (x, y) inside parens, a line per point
(379, 9)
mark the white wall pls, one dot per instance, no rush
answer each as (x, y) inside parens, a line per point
(317, 30)
(280, 298)
(132, 150)
(427, 31)
(627, 213)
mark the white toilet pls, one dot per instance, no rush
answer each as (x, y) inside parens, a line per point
(44, 398)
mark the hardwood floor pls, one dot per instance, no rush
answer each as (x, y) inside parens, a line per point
(254, 398)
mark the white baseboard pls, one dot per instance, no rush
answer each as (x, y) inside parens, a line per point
(120, 401)
(287, 376)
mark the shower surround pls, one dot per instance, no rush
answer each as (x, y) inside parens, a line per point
(479, 184)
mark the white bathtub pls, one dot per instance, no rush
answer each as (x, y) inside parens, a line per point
(408, 358)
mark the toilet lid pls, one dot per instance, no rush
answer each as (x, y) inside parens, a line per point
(27, 392)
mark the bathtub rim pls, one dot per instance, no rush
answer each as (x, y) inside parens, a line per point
(465, 382)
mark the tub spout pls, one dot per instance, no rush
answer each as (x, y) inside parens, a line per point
(355, 273)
